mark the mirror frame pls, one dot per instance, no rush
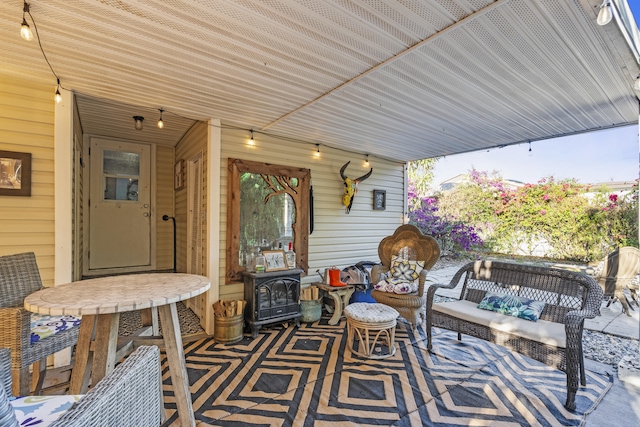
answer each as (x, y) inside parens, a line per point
(235, 169)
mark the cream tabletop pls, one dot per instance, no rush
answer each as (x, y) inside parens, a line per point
(116, 294)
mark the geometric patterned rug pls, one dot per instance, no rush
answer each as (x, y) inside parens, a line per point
(306, 376)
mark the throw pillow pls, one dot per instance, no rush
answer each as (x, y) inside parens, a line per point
(407, 270)
(512, 305)
(396, 286)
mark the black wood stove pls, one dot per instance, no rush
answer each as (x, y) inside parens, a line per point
(271, 298)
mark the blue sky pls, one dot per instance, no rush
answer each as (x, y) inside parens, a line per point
(595, 157)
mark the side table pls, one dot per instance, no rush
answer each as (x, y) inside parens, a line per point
(340, 295)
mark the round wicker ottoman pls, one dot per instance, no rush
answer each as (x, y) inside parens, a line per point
(371, 325)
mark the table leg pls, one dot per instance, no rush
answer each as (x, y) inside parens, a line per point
(177, 366)
(150, 318)
(346, 297)
(82, 362)
(337, 310)
(105, 346)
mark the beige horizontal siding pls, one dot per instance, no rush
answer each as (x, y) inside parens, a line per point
(338, 239)
(26, 125)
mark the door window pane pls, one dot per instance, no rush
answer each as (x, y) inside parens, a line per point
(121, 171)
(121, 189)
(120, 163)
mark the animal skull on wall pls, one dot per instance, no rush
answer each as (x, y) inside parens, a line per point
(351, 187)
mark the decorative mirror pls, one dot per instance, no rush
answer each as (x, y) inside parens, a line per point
(267, 208)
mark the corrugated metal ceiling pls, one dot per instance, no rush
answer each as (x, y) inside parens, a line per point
(402, 80)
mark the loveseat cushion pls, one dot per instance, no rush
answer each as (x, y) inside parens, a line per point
(542, 331)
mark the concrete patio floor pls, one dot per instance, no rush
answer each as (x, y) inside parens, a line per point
(621, 405)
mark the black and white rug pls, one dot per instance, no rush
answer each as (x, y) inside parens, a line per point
(306, 376)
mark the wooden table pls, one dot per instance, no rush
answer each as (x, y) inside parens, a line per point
(340, 295)
(99, 302)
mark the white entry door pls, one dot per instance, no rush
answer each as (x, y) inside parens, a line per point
(119, 205)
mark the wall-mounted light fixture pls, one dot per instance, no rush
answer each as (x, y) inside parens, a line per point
(138, 122)
(605, 14)
(25, 30)
(161, 122)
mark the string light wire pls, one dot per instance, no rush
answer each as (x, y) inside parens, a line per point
(35, 27)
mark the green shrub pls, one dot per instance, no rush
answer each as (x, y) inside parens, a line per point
(558, 219)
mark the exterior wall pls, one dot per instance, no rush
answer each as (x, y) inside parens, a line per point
(164, 206)
(26, 125)
(338, 239)
(78, 195)
(193, 143)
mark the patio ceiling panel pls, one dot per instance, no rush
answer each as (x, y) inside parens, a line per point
(400, 80)
(527, 97)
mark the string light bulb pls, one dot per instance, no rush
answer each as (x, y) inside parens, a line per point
(317, 153)
(160, 121)
(58, 96)
(25, 30)
(251, 140)
(366, 160)
(605, 14)
(138, 122)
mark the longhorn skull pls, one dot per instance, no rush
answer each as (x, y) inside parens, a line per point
(351, 187)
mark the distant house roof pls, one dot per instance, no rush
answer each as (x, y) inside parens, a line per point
(450, 183)
(615, 186)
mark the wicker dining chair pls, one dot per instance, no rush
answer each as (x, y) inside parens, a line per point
(619, 269)
(409, 243)
(20, 277)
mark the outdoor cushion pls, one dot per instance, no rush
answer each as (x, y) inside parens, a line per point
(396, 286)
(406, 270)
(41, 411)
(43, 326)
(543, 331)
(512, 305)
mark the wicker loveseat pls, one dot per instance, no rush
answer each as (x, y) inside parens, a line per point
(555, 339)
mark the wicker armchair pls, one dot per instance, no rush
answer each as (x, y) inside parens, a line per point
(131, 395)
(409, 243)
(19, 277)
(619, 270)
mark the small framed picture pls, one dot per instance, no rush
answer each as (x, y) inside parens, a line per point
(15, 173)
(179, 175)
(379, 200)
(274, 260)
